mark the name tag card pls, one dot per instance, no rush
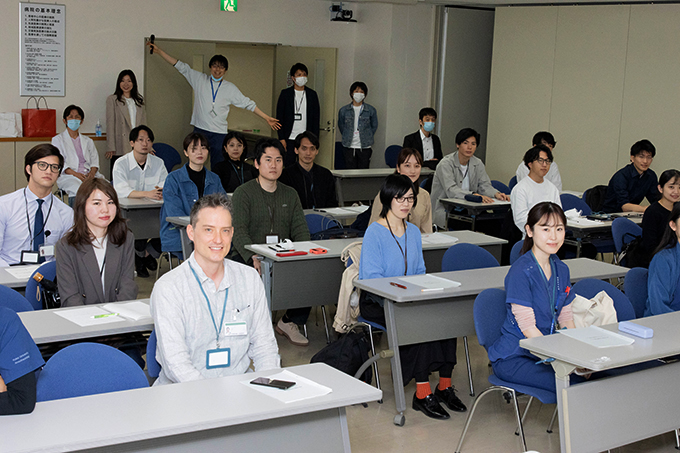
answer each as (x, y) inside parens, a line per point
(218, 358)
(236, 328)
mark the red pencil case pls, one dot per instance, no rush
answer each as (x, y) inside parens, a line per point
(299, 252)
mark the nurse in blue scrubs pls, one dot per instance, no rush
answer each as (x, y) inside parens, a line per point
(663, 282)
(19, 358)
(537, 288)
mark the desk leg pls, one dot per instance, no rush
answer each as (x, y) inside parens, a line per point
(562, 372)
(397, 379)
(578, 247)
(338, 191)
(474, 222)
(342, 414)
(187, 246)
(266, 266)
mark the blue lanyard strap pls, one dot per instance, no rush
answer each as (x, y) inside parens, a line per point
(552, 290)
(224, 307)
(214, 91)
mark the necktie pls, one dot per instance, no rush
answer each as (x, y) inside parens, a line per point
(39, 229)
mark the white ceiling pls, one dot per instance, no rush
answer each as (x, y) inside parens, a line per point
(487, 3)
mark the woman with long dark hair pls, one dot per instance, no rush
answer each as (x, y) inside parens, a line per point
(664, 270)
(233, 170)
(96, 258)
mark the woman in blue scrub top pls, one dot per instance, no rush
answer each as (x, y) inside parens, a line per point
(537, 289)
(664, 271)
(19, 358)
(392, 247)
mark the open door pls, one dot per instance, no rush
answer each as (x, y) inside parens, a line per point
(322, 64)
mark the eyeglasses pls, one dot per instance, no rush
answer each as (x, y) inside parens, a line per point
(402, 200)
(542, 161)
(42, 166)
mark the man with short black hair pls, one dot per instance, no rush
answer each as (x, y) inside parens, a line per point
(298, 110)
(634, 182)
(268, 212)
(543, 138)
(32, 217)
(424, 140)
(314, 184)
(197, 343)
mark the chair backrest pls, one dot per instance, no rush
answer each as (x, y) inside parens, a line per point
(463, 256)
(570, 201)
(49, 271)
(391, 154)
(635, 287)
(339, 156)
(624, 231)
(153, 368)
(169, 155)
(14, 300)
(512, 183)
(490, 312)
(87, 369)
(515, 252)
(589, 288)
(499, 186)
(318, 222)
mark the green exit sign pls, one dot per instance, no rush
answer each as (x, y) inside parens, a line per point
(228, 5)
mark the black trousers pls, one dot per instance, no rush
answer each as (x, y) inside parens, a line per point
(358, 158)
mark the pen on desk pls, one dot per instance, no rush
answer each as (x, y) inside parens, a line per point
(104, 316)
(397, 285)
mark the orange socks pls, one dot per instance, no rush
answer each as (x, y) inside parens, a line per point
(444, 383)
(423, 390)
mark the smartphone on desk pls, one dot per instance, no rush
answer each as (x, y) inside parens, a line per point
(277, 384)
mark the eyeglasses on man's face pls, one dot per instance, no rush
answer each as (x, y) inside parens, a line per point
(542, 161)
(42, 166)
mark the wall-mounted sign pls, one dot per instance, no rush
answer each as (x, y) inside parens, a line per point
(229, 5)
(41, 49)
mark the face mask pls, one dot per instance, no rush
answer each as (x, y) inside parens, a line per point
(214, 79)
(358, 97)
(74, 125)
(428, 126)
(300, 81)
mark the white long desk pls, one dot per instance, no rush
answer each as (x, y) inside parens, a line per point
(439, 315)
(610, 412)
(363, 184)
(10, 280)
(143, 216)
(208, 415)
(45, 326)
(585, 233)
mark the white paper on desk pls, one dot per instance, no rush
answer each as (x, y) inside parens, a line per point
(153, 200)
(297, 247)
(333, 211)
(356, 209)
(439, 238)
(583, 221)
(302, 390)
(134, 310)
(22, 272)
(598, 337)
(85, 316)
(429, 282)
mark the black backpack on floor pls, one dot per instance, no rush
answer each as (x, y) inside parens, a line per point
(347, 354)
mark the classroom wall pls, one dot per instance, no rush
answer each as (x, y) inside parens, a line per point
(598, 77)
(103, 38)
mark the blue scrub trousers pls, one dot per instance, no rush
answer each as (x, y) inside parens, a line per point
(524, 370)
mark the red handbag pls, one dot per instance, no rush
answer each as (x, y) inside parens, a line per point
(39, 122)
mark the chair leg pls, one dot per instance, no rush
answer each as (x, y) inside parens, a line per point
(552, 421)
(677, 439)
(474, 406)
(469, 367)
(519, 420)
(158, 267)
(524, 414)
(375, 364)
(325, 324)
(304, 328)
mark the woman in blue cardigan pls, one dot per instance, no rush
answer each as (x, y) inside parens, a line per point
(664, 271)
(184, 187)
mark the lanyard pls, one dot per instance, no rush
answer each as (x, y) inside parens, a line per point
(224, 307)
(403, 253)
(302, 99)
(28, 220)
(236, 170)
(214, 91)
(552, 290)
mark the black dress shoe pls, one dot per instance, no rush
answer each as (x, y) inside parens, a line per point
(150, 263)
(448, 396)
(140, 267)
(430, 407)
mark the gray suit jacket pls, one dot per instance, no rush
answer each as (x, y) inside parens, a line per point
(78, 274)
(118, 125)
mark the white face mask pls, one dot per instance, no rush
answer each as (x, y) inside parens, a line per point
(300, 81)
(358, 97)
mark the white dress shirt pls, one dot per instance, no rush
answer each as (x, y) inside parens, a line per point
(428, 146)
(128, 176)
(553, 174)
(17, 213)
(527, 194)
(185, 330)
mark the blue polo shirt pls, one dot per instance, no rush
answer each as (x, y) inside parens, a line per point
(629, 186)
(18, 353)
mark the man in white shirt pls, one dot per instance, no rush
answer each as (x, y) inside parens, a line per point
(32, 217)
(141, 175)
(546, 139)
(213, 97)
(194, 343)
(534, 189)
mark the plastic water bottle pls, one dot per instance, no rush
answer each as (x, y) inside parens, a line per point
(98, 128)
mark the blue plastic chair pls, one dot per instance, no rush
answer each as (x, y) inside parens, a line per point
(13, 300)
(169, 155)
(88, 369)
(589, 288)
(153, 368)
(391, 154)
(512, 183)
(635, 288)
(460, 257)
(490, 312)
(319, 222)
(515, 252)
(570, 201)
(499, 186)
(49, 271)
(624, 231)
